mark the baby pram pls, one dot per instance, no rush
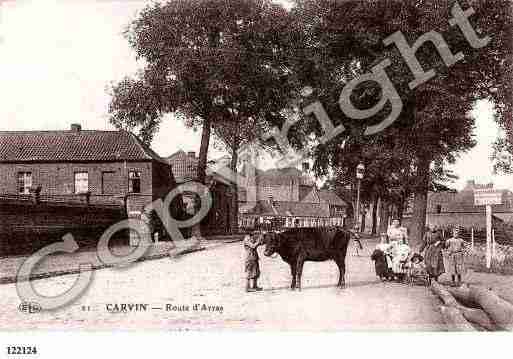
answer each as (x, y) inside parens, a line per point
(416, 271)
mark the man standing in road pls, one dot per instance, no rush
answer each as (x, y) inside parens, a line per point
(251, 265)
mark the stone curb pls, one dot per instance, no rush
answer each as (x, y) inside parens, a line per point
(233, 241)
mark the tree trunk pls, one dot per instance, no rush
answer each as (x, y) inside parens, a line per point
(418, 221)
(374, 214)
(202, 167)
(354, 210)
(203, 154)
(363, 214)
(393, 211)
(384, 216)
(234, 208)
(400, 208)
(351, 216)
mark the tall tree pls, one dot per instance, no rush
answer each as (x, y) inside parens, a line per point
(345, 40)
(234, 134)
(213, 63)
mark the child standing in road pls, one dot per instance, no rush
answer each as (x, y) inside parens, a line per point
(455, 259)
(381, 257)
(251, 265)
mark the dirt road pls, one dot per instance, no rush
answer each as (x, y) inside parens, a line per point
(167, 291)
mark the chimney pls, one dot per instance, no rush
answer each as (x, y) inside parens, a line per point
(76, 127)
(191, 154)
(306, 166)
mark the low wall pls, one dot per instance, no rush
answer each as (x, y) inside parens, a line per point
(25, 226)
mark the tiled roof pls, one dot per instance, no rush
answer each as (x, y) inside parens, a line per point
(459, 207)
(73, 146)
(278, 176)
(463, 202)
(288, 209)
(177, 154)
(331, 198)
(303, 209)
(308, 194)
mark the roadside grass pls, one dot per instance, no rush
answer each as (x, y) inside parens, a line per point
(502, 263)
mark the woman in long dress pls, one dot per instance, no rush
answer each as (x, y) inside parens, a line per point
(433, 244)
(396, 233)
(399, 246)
(400, 253)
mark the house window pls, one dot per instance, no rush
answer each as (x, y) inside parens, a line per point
(438, 209)
(81, 182)
(108, 182)
(134, 182)
(24, 182)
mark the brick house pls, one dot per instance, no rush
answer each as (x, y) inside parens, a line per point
(184, 165)
(104, 166)
(76, 181)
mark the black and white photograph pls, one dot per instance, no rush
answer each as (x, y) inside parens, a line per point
(256, 166)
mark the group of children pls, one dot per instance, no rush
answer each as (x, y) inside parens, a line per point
(394, 260)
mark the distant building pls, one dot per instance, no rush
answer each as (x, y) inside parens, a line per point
(184, 165)
(449, 208)
(286, 198)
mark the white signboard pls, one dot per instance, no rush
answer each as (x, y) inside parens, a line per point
(488, 197)
(484, 197)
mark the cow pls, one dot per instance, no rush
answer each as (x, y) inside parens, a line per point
(297, 245)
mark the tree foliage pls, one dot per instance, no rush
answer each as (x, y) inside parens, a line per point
(212, 63)
(345, 39)
(234, 67)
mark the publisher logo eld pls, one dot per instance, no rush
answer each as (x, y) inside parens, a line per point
(29, 307)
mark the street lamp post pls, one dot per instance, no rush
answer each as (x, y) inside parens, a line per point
(360, 170)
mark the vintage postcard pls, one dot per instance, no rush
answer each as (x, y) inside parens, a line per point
(256, 165)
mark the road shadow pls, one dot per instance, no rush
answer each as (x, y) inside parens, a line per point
(349, 285)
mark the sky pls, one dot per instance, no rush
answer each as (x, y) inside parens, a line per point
(58, 57)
